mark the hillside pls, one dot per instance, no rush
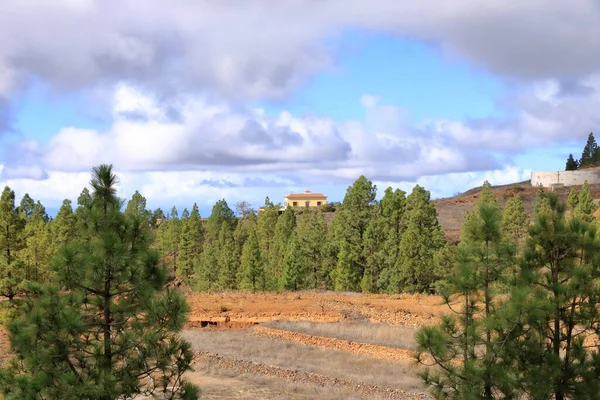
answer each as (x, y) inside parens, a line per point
(452, 210)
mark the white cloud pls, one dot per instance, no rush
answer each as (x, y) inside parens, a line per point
(264, 48)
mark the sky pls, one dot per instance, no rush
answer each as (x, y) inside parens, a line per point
(200, 100)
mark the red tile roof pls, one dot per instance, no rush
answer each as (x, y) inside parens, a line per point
(306, 195)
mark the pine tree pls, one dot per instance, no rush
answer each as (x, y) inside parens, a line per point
(540, 205)
(586, 206)
(221, 214)
(284, 227)
(310, 240)
(37, 250)
(251, 274)
(208, 271)
(573, 199)
(265, 230)
(422, 238)
(553, 306)
(170, 240)
(294, 267)
(514, 221)
(590, 152)
(373, 241)
(136, 207)
(571, 165)
(107, 328)
(240, 236)
(26, 206)
(12, 270)
(188, 257)
(205, 276)
(64, 226)
(229, 259)
(83, 211)
(473, 218)
(382, 241)
(470, 333)
(352, 221)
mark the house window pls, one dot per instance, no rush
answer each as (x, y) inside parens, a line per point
(295, 204)
(319, 203)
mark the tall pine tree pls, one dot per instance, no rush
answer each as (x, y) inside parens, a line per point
(422, 238)
(586, 206)
(12, 270)
(572, 164)
(107, 328)
(351, 224)
(310, 240)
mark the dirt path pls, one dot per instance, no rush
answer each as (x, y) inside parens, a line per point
(248, 367)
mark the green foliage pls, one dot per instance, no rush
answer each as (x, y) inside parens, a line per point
(555, 302)
(469, 334)
(295, 272)
(586, 206)
(422, 238)
(228, 259)
(37, 250)
(83, 212)
(572, 164)
(64, 226)
(573, 199)
(473, 218)
(310, 241)
(136, 207)
(540, 205)
(221, 214)
(190, 244)
(514, 221)
(284, 228)
(352, 221)
(12, 270)
(265, 230)
(251, 273)
(382, 241)
(106, 328)
(590, 155)
(169, 237)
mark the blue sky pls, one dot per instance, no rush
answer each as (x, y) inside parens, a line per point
(423, 94)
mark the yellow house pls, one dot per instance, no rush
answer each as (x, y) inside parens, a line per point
(307, 199)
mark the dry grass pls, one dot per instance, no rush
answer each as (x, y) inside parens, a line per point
(355, 331)
(243, 344)
(221, 383)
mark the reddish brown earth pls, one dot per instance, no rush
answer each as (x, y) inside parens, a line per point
(237, 309)
(451, 211)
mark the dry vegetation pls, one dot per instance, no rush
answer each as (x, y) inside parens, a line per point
(244, 344)
(355, 331)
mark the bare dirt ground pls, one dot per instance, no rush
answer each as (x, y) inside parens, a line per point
(238, 310)
(334, 345)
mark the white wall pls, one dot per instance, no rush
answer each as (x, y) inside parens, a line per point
(568, 178)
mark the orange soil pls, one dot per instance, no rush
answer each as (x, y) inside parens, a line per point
(248, 308)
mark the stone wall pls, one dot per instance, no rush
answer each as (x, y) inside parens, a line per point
(567, 178)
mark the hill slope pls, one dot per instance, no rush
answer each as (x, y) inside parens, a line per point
(451, 211)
